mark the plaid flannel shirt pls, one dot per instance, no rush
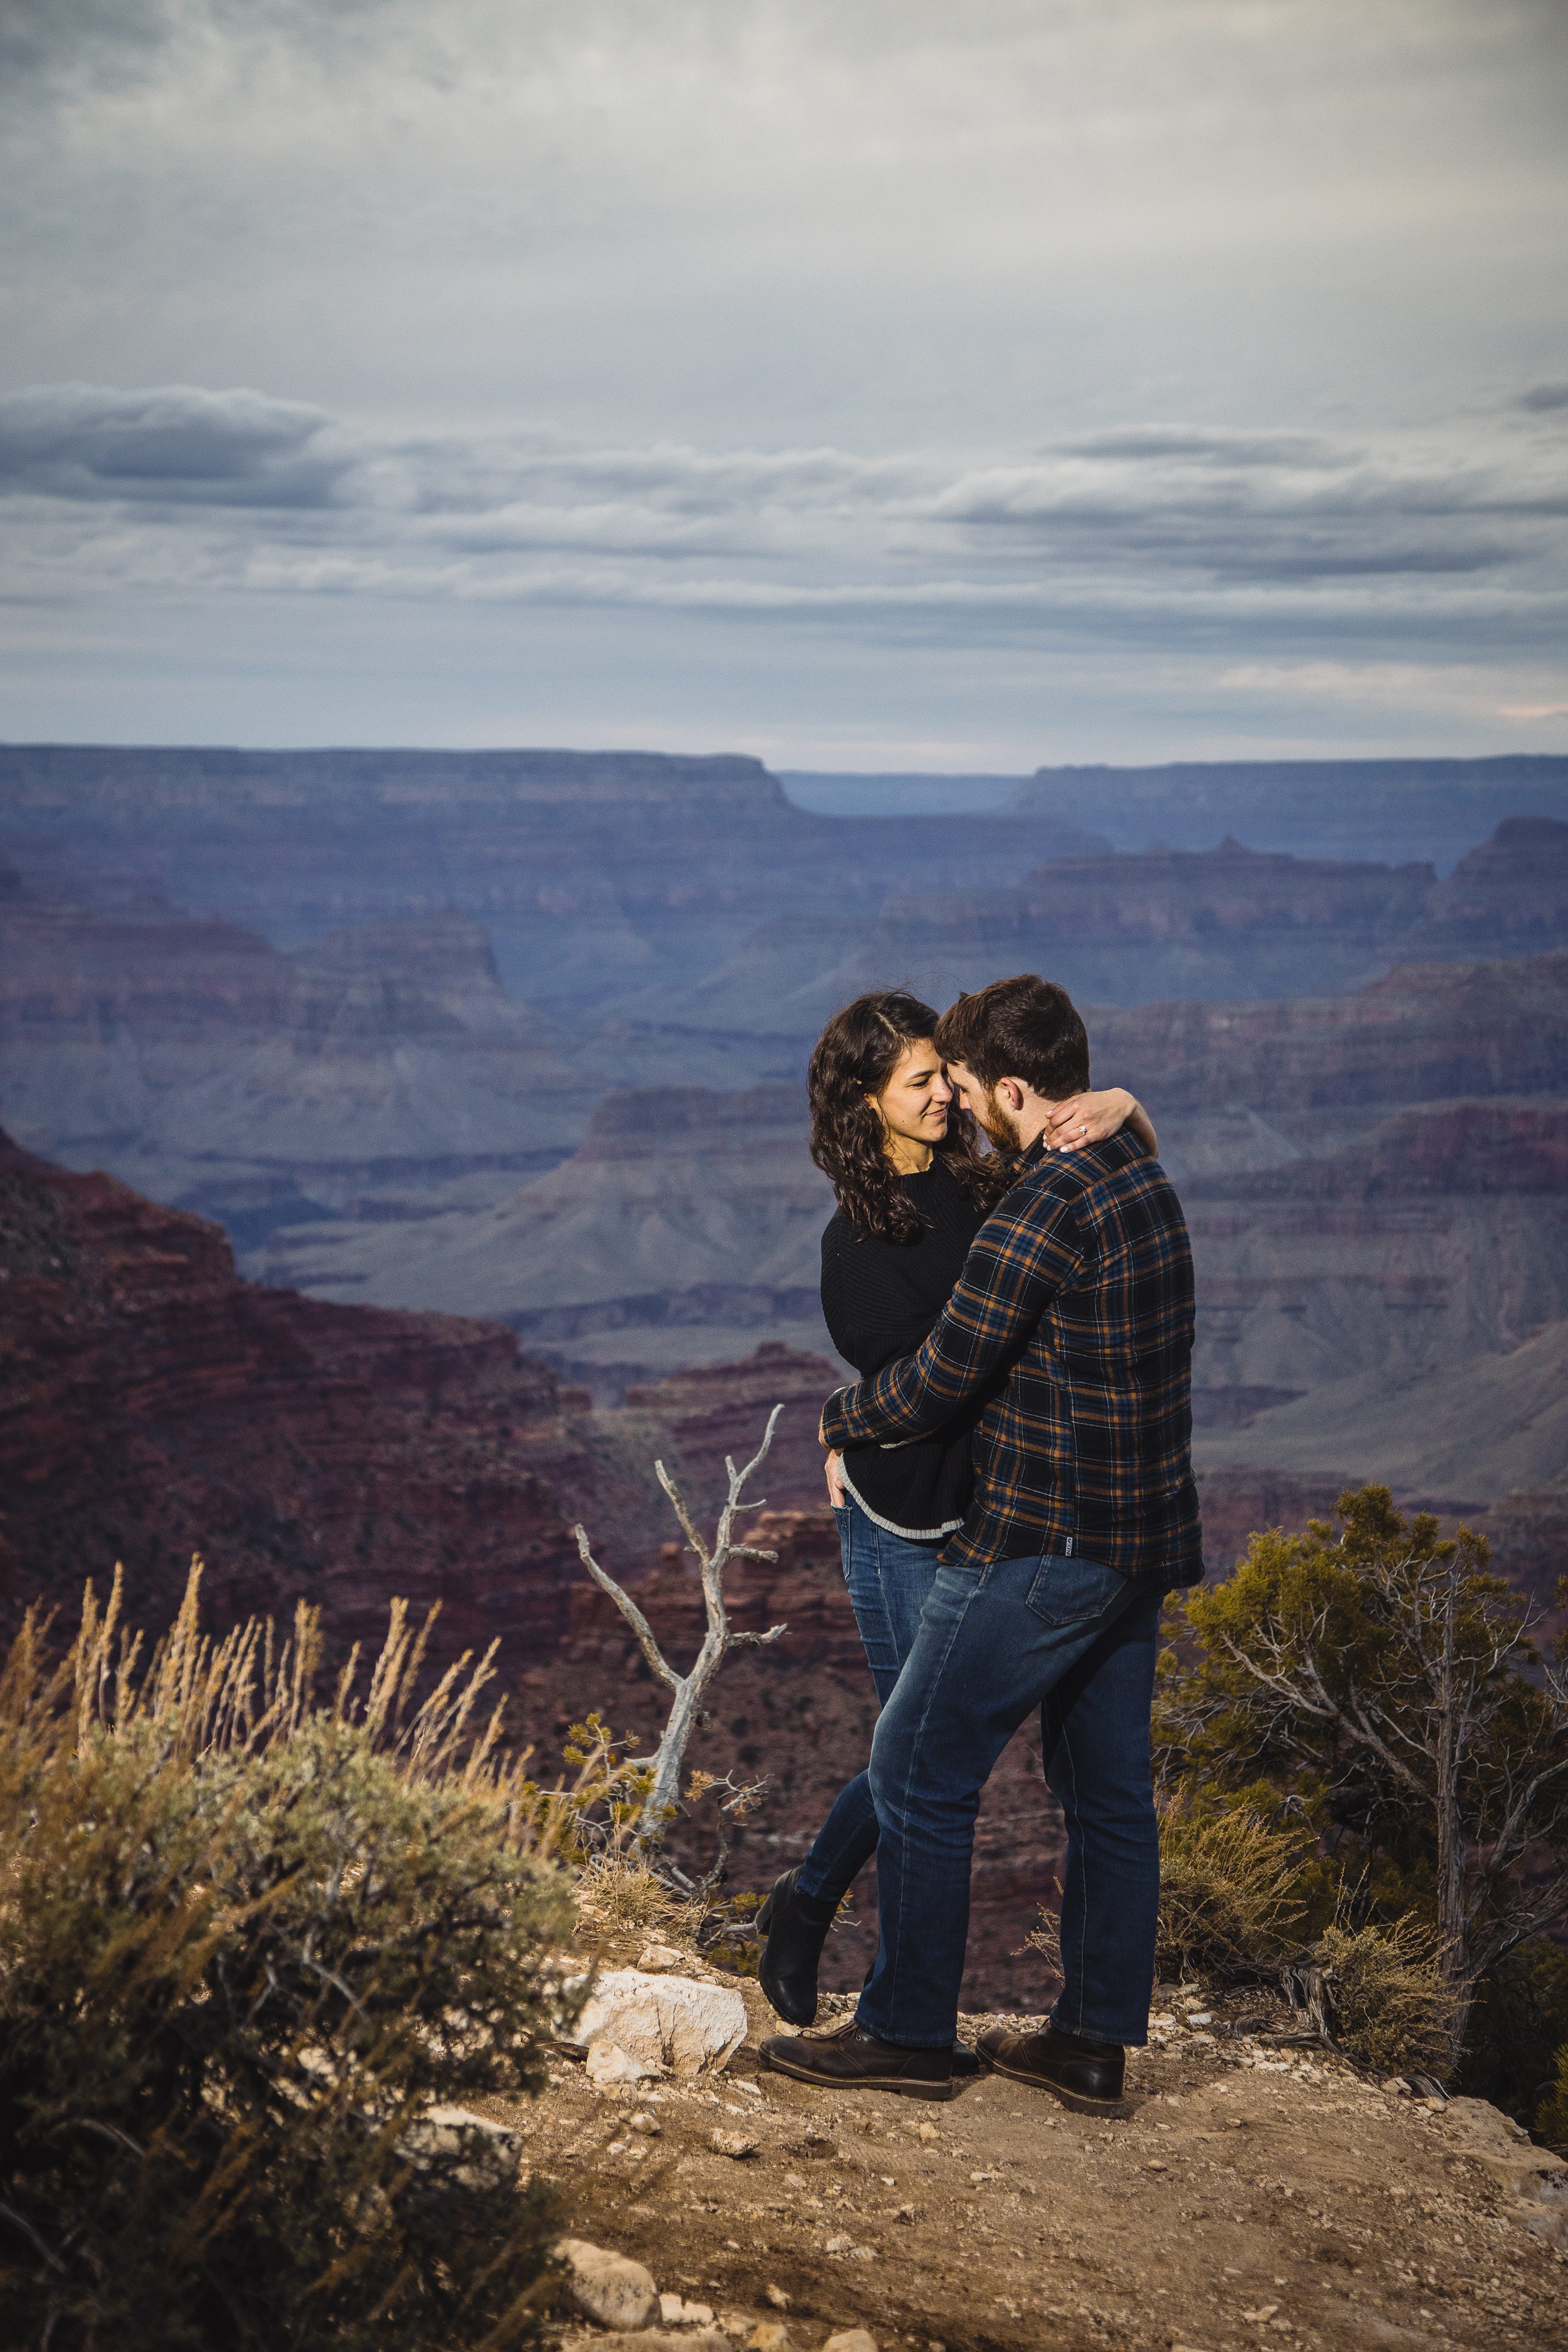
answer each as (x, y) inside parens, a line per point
(1075, 1311)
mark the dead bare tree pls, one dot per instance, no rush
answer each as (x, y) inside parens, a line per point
(686, 1707)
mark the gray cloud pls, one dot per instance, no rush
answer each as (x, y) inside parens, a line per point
(1149, 370)
(113, 42)
(175, 445)
(1142, 515)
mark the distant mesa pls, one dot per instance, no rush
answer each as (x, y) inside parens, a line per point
(1125, 928)
(120, 781)
(1393, 810)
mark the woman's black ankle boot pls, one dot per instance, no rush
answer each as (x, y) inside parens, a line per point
(795, 1926)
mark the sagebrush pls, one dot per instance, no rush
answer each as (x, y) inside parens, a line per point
(246, 1942)
(1230, 1902)
(1387, 1994)
(1552, 2121)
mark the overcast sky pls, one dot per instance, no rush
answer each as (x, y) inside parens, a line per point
(865, 383)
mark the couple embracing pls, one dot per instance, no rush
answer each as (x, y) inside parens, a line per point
(1014, 1495)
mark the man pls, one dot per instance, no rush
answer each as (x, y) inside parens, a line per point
(1079, 1288)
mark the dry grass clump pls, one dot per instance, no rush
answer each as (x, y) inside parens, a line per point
(1229, 1903)
(619, 1894)
(1232, 1904)
(246, 1941)
(1390, 2006)
(1552, 2116)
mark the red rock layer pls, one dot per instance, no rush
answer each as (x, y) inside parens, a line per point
(723, 1409)
(1426, 1032)
(156, 1405)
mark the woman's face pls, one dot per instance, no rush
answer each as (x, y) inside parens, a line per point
(914, 1102)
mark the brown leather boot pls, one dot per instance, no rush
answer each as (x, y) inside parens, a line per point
(848, 2060)
(1085, 2077)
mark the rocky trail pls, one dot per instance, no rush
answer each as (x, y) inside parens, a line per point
(1255, 2193)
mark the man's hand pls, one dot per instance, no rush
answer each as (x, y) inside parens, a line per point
(835, 1493)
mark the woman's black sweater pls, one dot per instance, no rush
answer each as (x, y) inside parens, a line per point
(879, 1299)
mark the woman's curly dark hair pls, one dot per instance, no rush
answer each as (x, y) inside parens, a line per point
(855, 1056)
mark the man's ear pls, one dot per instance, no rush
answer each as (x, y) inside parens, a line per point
(1010, 1092)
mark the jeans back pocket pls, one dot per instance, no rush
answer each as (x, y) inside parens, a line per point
(1074, 1592)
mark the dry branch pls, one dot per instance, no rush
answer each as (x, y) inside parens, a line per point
(718, 1640)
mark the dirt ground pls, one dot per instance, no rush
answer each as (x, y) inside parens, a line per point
(1256, 2194)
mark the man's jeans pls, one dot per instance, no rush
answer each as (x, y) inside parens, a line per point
(888, 1578)
(1080, 1642)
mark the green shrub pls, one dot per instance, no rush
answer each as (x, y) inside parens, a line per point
(244, 1944)
(1390, 2004)
(1382, 1683)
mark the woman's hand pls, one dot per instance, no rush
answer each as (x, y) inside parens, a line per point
(836, 1494)
(1090, 1117)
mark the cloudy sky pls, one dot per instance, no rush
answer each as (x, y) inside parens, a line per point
(865, 383)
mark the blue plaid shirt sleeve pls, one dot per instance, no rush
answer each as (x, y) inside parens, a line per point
(1016, 1266)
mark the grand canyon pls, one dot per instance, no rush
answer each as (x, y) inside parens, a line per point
(405, 1150)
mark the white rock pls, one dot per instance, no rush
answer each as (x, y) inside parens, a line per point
(665, 2022)
(658, 1959)
(731, 2143)
(610, 2288)
(851, 2339)
(608, 2063)
(675, 2312)
(493, 2150)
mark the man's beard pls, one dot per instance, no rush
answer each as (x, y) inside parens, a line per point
(1002, 1129)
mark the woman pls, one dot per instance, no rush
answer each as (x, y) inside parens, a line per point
(913, 1190)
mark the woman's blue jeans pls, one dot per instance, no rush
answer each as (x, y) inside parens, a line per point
(888, 1578)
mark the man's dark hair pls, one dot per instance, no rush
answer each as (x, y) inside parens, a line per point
(1025, 1027)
